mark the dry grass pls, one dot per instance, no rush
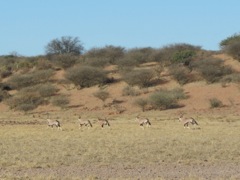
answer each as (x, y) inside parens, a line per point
(38, 147)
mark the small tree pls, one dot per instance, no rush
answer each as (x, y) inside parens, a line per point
(64, 45)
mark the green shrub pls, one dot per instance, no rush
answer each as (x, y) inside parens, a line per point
(214, 103)
(86, 76)
(167, 99)
(142, 78)
(184, 56)
(177, 53)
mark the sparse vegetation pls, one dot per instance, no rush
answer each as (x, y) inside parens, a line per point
(64, 60)
(25, 101)
(142, 78)
(105, 55)
(102, 95)
(30, 79)
(142, 103)
(212, 70)
(231, 45)
(31, 151)
(86, 76)
(167, 142)
(215, 103)
(167, 99)
(60, 101)
(130, 91)
(181, 74)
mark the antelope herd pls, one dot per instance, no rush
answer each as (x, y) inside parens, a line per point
(104, 122)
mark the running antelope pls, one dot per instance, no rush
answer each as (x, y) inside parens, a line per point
(52, 123)
(84, 122)
(143, 121)
(103, 122)
(187, 121)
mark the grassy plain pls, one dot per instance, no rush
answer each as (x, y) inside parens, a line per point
(30, 148)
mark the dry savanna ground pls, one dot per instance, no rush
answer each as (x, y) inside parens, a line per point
(30, 150)
(124, 151)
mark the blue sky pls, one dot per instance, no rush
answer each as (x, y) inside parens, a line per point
(28, 25)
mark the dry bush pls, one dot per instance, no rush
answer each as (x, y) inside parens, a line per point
(4, 95)
(102, 95)
(5, 73)
(215, 103)
(142, 103)
(142, 78)
(127, 63)
(47, 90)
(86, 76)
(60, 101)
(140, 55)
(181, 74)
(97, 62)
(103, 56)
(30, 79)
(177, 53)
(167, 99)
(130, 91)
(43, 64)
(212, 70)
(63, 60)
(23, 101)
(231, 45)
(231, 78)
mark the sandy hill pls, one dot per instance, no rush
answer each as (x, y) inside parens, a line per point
(199, 93)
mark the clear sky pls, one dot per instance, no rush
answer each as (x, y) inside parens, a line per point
(26, 26)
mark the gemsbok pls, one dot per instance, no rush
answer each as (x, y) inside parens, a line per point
(103, 122)
(187, 121)
(52, 123)
(143, 121)
(84, 122)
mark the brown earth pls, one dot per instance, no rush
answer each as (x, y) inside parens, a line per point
(83, 102)
(161, 170)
